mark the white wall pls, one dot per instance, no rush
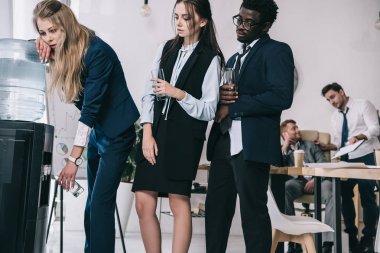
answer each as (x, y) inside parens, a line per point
(6, 19)
(331, 41)
(22, 19)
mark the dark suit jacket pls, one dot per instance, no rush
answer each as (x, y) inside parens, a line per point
(105, 102)
(265, 86)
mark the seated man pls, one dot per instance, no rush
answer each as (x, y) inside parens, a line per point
(296, 187)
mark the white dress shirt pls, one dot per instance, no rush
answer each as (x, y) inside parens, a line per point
(201, 109)
(361, 119)
(81, 137)
(235, 130)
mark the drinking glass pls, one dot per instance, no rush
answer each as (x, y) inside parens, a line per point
(229, 78)
(158, 73)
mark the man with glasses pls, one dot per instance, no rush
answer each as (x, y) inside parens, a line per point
(250, 116)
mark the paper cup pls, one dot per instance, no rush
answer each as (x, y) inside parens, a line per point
(298, 158)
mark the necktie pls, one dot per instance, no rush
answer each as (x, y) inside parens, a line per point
(344, 134)
(227, 121)
(238, 61)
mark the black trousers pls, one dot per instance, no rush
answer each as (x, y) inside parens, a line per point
(221, 197)
(368, 201)
(251, 179)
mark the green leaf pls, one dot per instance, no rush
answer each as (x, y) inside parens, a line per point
(130, 165)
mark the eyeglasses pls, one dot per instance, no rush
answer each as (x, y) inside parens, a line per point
(247, 24)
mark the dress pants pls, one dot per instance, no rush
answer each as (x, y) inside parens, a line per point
(106, 162)
(251, 180)
(368, 201)
(221, 197)
(294, 188)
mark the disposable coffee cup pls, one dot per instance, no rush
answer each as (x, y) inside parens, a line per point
(377, 157)
(298, 158)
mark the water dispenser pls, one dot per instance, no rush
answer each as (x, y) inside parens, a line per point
(22, 81)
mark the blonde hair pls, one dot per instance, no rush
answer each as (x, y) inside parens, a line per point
(67, 67)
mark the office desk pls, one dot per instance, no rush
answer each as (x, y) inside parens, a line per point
(336, 172)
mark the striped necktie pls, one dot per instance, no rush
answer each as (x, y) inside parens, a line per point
(238, 60)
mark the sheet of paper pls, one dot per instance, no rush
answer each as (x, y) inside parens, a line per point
(347, 149)
(336, 165)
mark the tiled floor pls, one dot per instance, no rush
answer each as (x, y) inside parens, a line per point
(73, 243)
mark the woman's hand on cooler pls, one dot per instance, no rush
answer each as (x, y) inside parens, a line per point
(44, 50)
(162, 87)
(67, 175)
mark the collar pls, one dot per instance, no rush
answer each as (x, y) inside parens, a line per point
(190, 47)
(295, 146)
(240, 47)
(348, 106)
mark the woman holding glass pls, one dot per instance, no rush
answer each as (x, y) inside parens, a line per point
(174, 127)
(87, 72)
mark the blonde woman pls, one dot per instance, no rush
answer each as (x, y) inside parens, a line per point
(86, 72)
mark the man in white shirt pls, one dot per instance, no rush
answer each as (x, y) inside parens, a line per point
(354, 120)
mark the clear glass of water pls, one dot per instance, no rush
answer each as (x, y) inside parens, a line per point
(229, 78)
(158, 73)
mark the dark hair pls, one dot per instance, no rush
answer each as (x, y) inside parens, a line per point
(332, 86)
(207, 33)
(285, 123)
(266, 8)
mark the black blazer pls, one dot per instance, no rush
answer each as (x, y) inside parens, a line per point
(265, 86)
(105, 102)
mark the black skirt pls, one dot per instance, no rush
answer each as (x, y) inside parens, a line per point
(154, 178)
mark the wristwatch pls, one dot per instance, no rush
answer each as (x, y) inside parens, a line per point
(77, 161)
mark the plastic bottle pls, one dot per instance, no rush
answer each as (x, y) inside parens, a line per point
(22, 81)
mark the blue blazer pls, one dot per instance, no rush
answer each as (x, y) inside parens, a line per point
(265, 86)
(105, 102)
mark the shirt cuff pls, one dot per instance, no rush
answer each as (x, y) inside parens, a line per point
(185, 99)
(81, 138)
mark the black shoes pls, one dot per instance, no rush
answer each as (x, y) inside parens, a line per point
(294, 248)
(327, 247)
(366, 245)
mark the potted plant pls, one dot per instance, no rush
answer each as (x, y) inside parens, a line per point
(125, 196)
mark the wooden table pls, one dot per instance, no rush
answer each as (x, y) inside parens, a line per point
(336, 172)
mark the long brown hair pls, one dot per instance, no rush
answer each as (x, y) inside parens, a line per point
(207, 33)
(67, 67)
